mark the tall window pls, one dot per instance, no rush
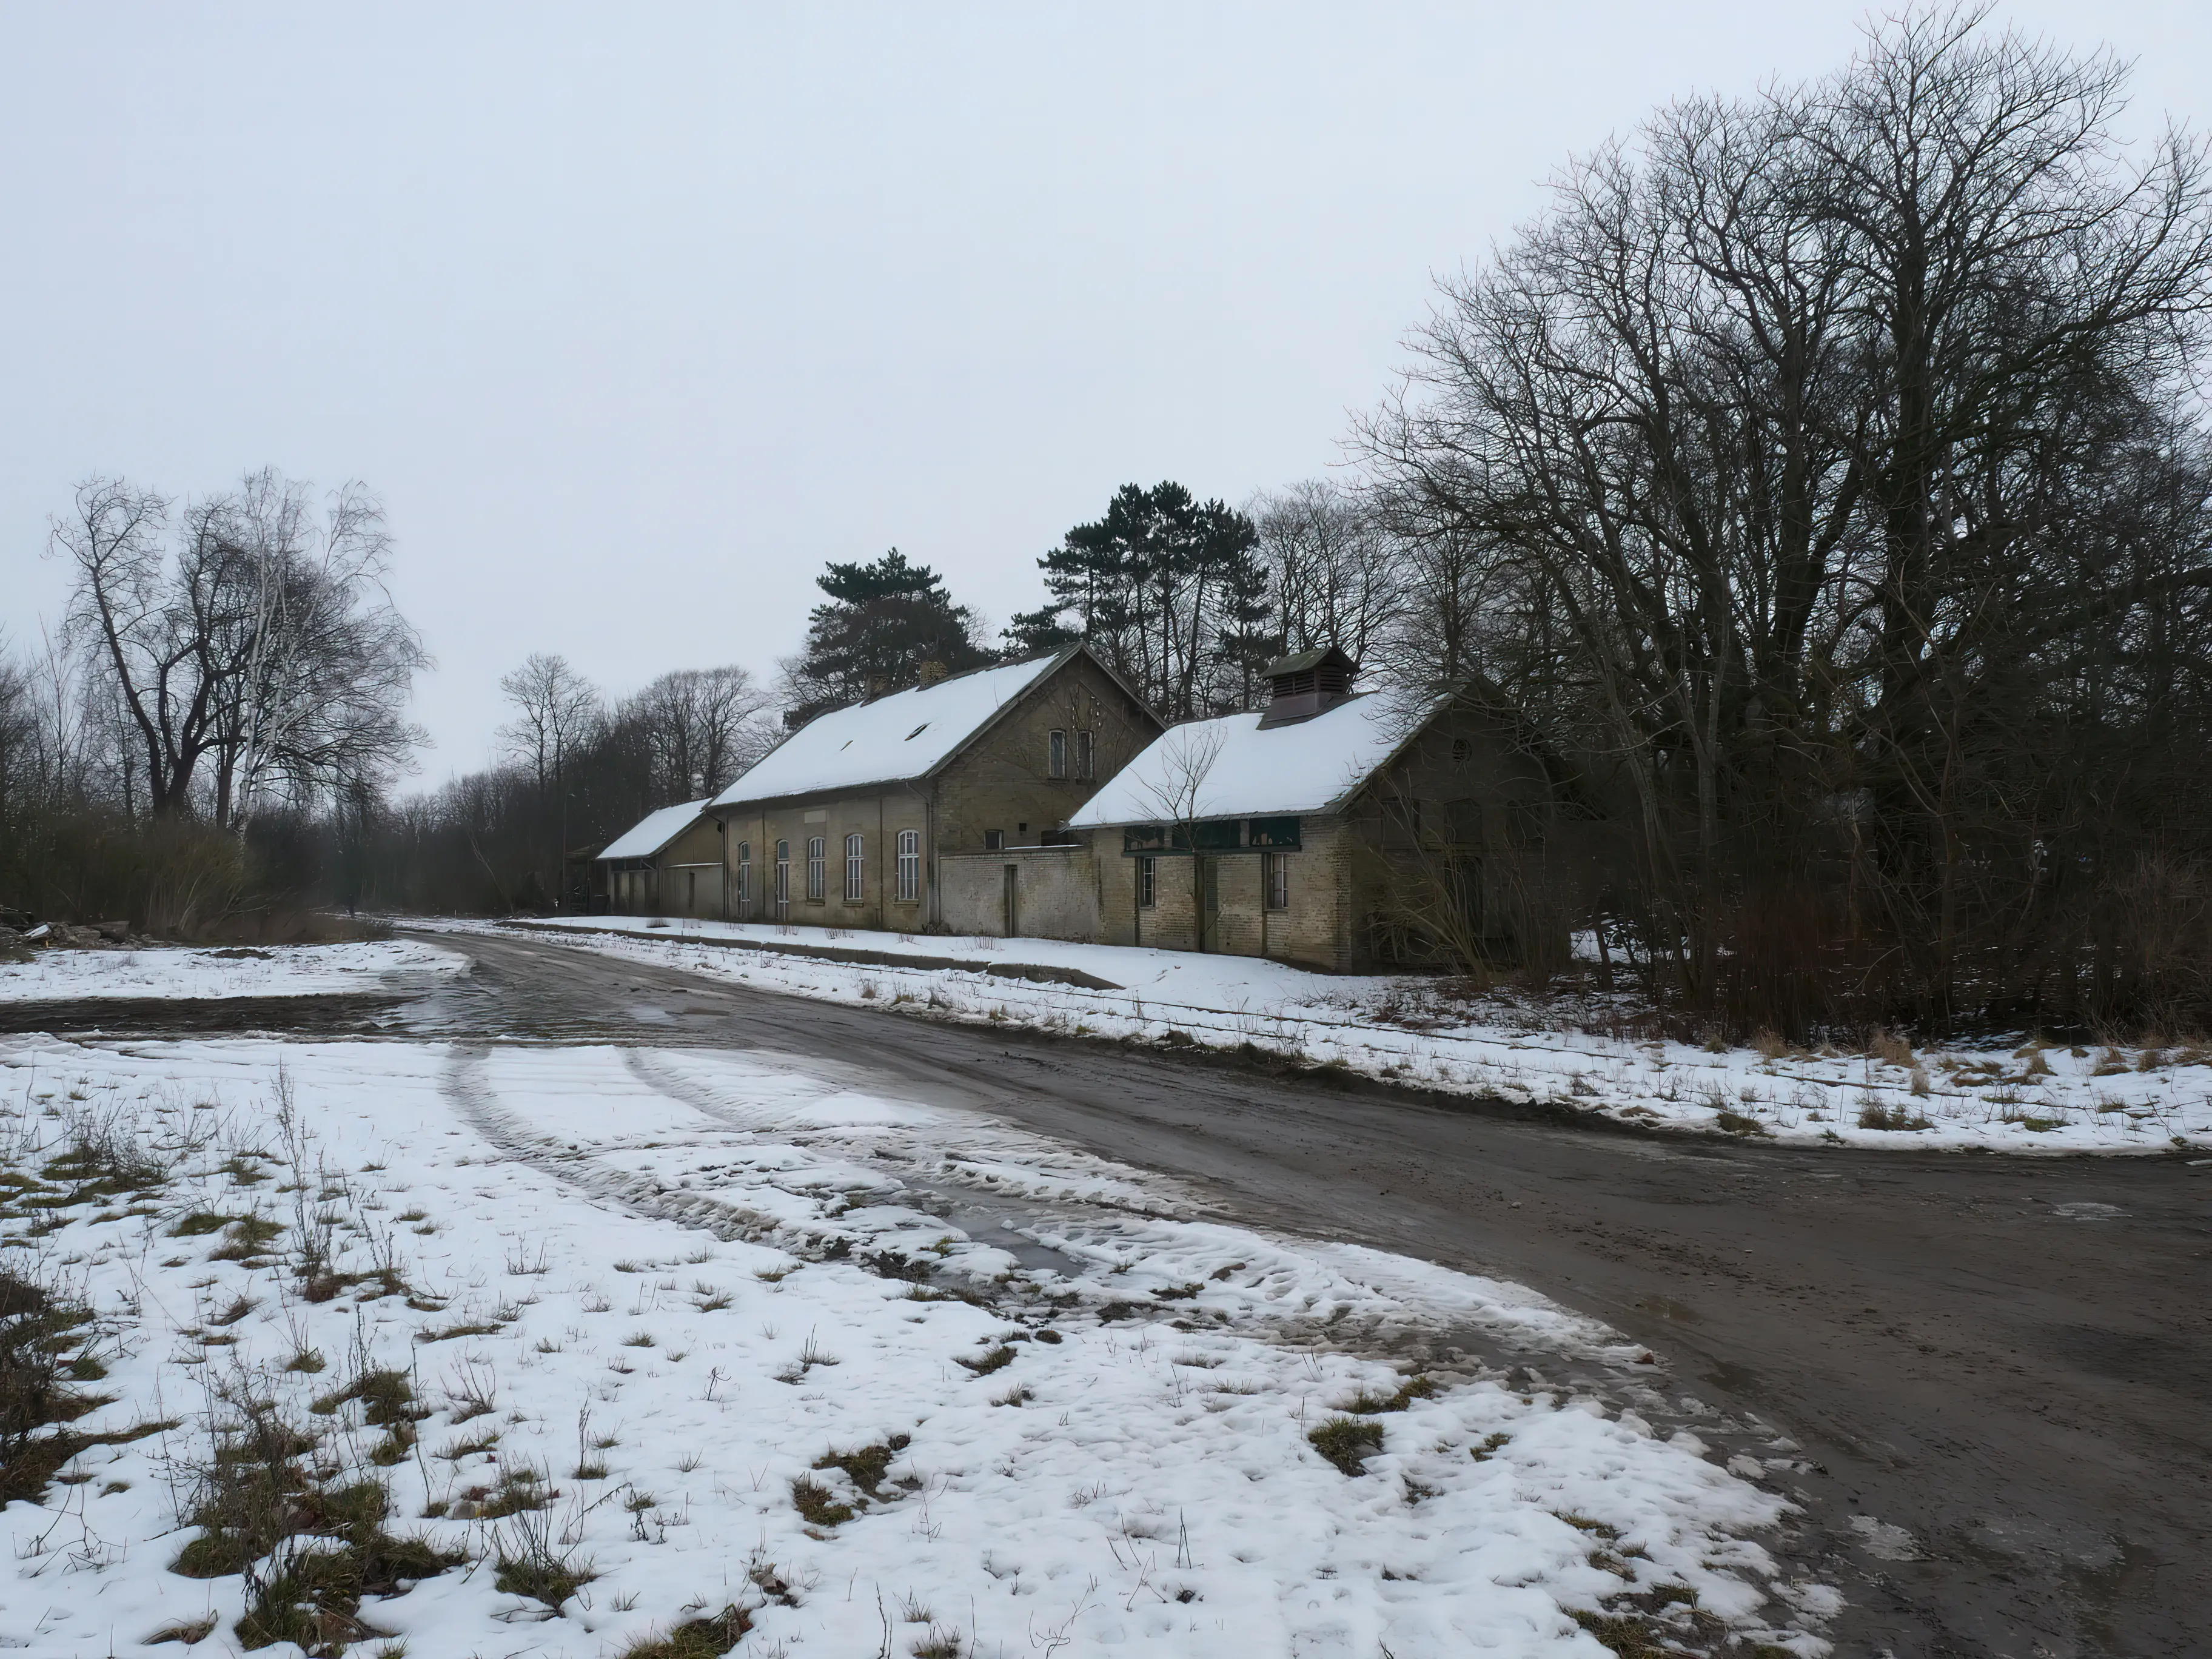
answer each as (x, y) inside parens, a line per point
(817, 872)
(782, 875)
(1086, 755)
(910, 866)
(1147, 888)
(855, 873)
(1056, 756)
(745, 877)
(1275, 873)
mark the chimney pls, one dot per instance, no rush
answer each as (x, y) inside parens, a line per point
(879, 685)
(1299, 687)
(931, 674)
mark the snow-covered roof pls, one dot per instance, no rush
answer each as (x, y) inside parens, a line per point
(1232, 768)
(653, 831)
(893, 740)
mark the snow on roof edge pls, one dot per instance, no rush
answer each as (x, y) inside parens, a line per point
(653, 831)
(804, 763)
(1366, 732)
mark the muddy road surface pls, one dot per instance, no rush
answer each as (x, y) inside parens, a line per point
(1999, 1370)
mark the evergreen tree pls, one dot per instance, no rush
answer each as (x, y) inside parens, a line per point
(1169, 590)
(882, 620)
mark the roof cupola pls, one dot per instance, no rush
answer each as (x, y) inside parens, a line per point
(1301, 686)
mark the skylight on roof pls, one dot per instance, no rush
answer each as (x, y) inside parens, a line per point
(917, 731)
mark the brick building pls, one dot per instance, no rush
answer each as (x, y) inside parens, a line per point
(668, 863)
(914, 810)
(1334, 830)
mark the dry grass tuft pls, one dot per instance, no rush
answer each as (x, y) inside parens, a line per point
(1347, 1443)
(694, 1639)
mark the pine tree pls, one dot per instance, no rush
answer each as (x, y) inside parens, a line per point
(1169, 590)
(882, 622)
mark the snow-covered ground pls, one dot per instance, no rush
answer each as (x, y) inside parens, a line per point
(2030, 1098)
(278, 970)
(623, 1308)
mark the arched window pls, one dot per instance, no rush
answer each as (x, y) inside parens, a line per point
(817, 870)
(855, 870)
(910, 866)
(745, 877)
(782, 875)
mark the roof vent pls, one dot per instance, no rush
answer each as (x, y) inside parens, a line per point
(1301, 686)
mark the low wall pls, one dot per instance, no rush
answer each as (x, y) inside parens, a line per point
(1055, 893)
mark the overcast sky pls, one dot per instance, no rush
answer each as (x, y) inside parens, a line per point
(635, 315)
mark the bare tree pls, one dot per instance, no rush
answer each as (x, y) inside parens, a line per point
(1174, 787)
(1803, 456)
(1338, 575)
(257, 641)
(557, 712)
(700, 727)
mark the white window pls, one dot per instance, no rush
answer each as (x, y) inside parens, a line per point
(1056, 756)
(1277, 872)
(910, 866)
(817, 872)
(1086, 755)
(744, 876)
(855, 870)
(782, 874)
(1147, 888)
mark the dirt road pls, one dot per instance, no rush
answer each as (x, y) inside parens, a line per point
(1999, 1366)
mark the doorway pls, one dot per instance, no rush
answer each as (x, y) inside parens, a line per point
(1209, 904)
(1013, 880)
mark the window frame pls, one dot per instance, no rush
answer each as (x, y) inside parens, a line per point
(909, 866)
(1275, 881)
(782, 873)
(745, 874)
(1148, 883)
(856, 868)
(1055, 761)
(817, 869)
(1086, 754)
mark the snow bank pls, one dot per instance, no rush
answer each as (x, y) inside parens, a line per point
(2036, 1098)
(656, 1290)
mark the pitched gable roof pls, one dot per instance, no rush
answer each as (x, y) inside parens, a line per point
(652, 832)
(1235, 766)
(900, 738)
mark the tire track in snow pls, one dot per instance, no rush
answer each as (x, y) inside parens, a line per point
(1028, 1184)
(479, 1105)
